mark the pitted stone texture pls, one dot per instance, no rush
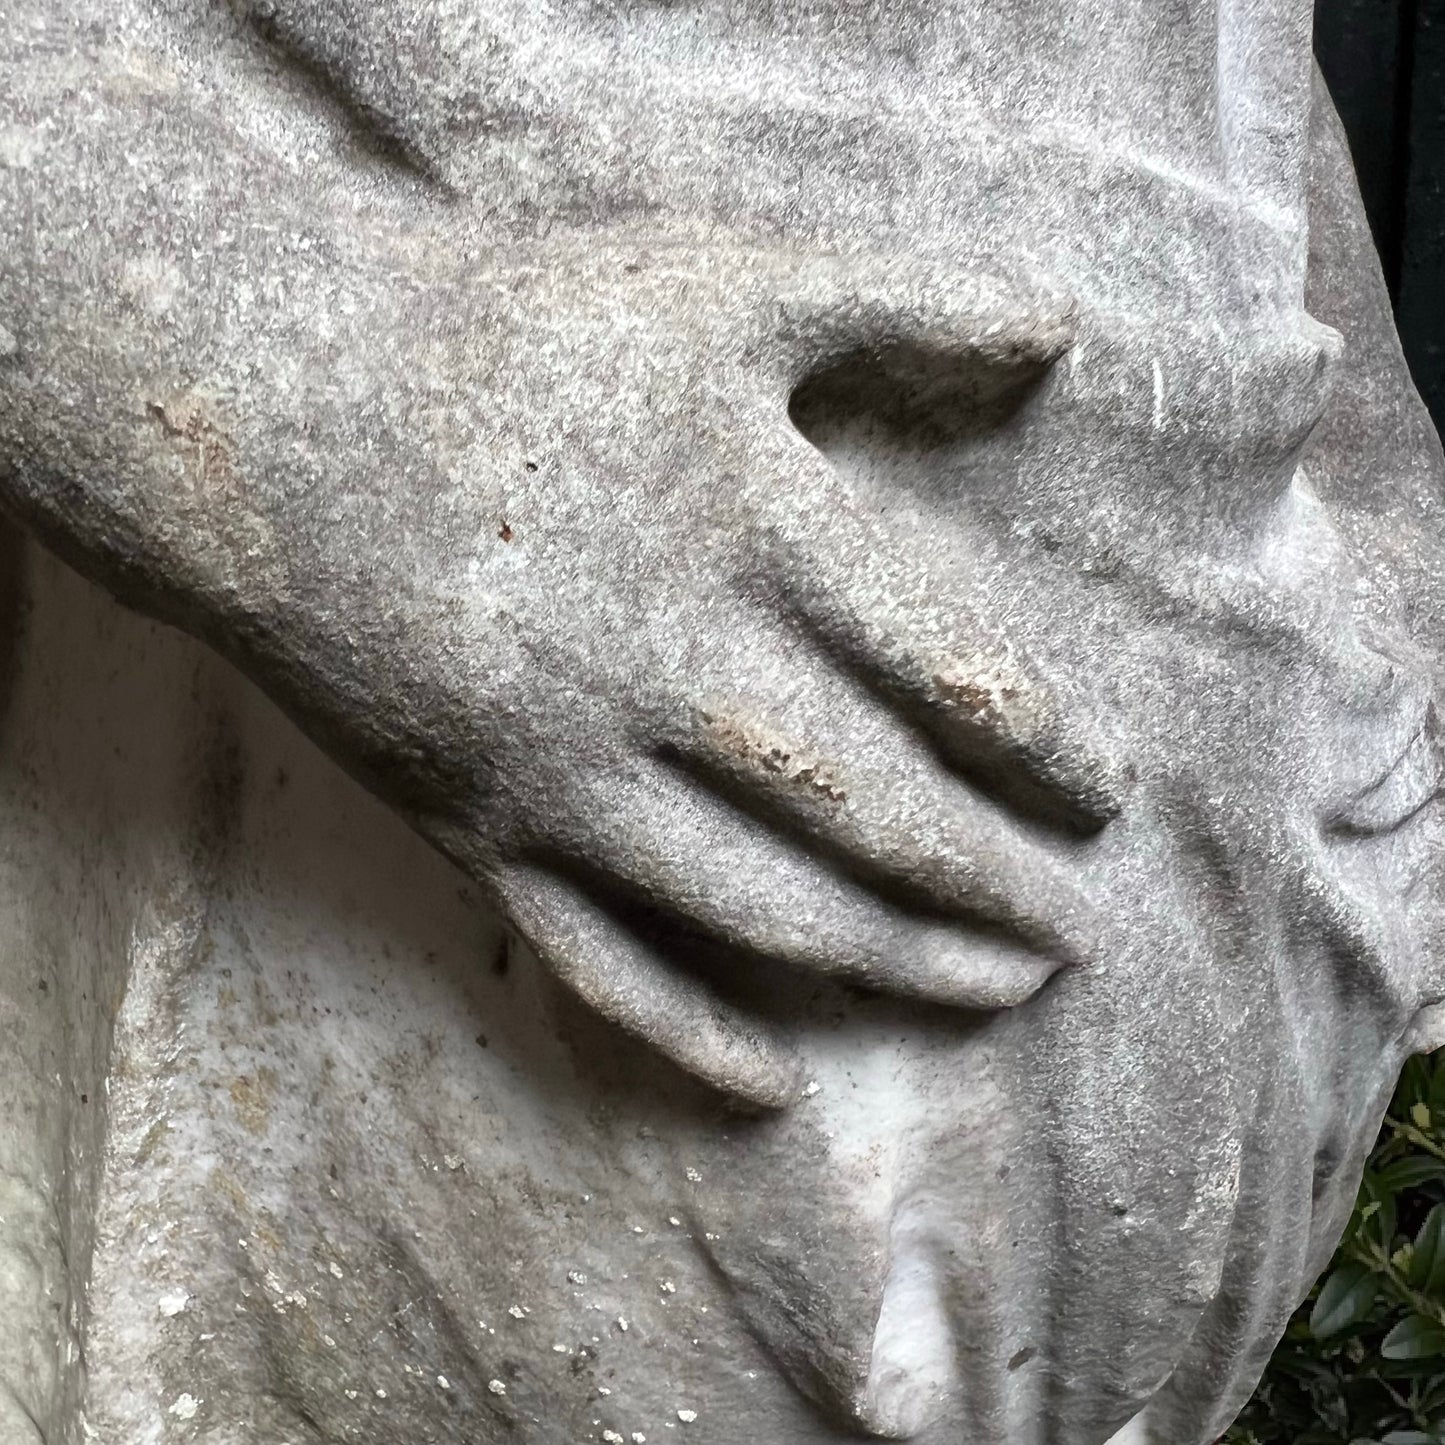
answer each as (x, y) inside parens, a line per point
(892, 549)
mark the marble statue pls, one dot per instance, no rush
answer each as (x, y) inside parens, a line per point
(769, 772)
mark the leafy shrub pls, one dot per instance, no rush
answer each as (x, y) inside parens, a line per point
(1363, 1361)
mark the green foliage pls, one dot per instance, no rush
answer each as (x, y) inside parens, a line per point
(1363, 1361)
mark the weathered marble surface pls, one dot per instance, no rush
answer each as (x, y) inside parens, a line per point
(892, 544)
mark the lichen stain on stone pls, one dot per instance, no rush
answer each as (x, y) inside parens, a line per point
(261, 1002)
(267, 1237)
(222, 1183)
(149, 1143)
(251, 1094)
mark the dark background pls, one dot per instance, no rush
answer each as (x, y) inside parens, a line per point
(1385, 64)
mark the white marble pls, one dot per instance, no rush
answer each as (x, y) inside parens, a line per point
(820, 814)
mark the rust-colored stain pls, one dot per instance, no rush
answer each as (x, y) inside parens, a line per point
(190, 420)
(984, 693)
(972, 693)
(755, 748)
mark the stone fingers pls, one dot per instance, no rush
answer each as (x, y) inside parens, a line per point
(862, 795)
(765, 906)
(902, 614)
(630, 983)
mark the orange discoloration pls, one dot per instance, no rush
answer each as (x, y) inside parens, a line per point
(758, 749)
(191, 420)
(984, 692)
